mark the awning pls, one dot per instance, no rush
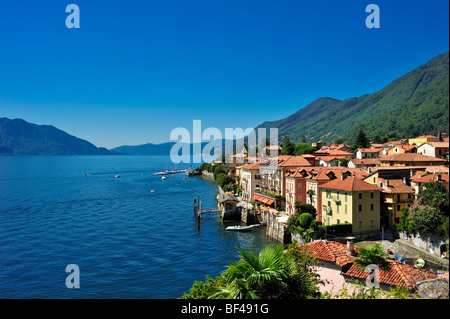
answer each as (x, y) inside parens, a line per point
(265, 200)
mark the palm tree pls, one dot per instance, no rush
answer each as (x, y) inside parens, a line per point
(310, 193)
(373, 255)
(254, 276)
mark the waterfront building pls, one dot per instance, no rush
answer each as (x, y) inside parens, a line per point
(348, 199)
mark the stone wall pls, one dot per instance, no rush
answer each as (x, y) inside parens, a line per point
(428, 242)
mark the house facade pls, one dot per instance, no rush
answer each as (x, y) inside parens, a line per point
(351, 200)
(435, 149)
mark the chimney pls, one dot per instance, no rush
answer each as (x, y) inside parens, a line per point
(387, 183)
(350, 246)
(438, 177)
(343, 176)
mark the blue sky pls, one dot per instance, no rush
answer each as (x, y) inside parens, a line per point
(135, 70)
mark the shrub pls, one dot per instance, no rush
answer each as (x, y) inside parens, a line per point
(305, 220)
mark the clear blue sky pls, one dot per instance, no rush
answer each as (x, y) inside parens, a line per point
(137, 69)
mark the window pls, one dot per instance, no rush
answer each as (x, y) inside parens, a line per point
(398, 197)
(372, 223)
(371, 206)
(338, 221)
(360, 224)
(360, 207)
(299, 186)
(337, 209)
(360, 195)
(328, 193)
(337, 194)
(398, 207)
(371, 195)
(345, 196)
(345, 209)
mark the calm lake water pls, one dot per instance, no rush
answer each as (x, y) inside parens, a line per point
(127, 241)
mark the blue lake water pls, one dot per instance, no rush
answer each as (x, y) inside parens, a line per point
(127, 241)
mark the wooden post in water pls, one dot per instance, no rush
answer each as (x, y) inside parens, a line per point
(195, 209)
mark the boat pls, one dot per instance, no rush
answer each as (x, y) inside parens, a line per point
(239, 228)
(163, 178)
(117, 176)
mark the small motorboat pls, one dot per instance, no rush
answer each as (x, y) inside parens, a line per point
(117, 176)
(239, 228)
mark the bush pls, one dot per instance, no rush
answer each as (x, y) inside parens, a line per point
(308, 208)
(305, 220)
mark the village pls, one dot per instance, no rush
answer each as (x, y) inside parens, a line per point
(353, 195)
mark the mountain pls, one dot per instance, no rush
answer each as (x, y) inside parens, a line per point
(414, 104)
(160, 149)
(18, 137)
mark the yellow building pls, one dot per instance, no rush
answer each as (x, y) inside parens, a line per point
(350, 200)
(396, 194)
(422, 139)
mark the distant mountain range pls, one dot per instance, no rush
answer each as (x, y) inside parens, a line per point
(416, 103)
(18, 137)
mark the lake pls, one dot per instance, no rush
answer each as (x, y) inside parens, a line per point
(127, 241)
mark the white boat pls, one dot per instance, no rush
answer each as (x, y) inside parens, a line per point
(239, 228)
(117, 176)
(163, 178)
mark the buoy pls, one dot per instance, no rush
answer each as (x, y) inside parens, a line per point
(117, 176)
(163, 178)
(184, 178)
(153, 191)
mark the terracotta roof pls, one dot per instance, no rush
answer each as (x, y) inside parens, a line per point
(296, 161)
(370, 150)
(430, 178)
(337, 170)
(426, 136)
(329, 251)
(251, 166)
(351, 184)
(339, 153)
(367, 161)
(397, 274)
(410, 157)
(297, 172)
(396, 186)
(437, 144)
(406, 147)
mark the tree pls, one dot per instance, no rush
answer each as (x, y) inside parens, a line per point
(372, 255)
(305, 220)
(339, 140)
(308, 208)
(288, 146)
(361, 140)
(269, 274)
(304, 148)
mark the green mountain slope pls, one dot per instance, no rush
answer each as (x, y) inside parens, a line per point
(328, 118)
(19, 137)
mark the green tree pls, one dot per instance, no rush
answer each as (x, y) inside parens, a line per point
(361, 140)
(305, 220)
(288, 146)
(269, 274)
(372, 255)
(303, 148)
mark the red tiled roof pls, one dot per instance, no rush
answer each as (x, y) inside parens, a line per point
(329, 251)
(251, 166)
(410, 157)
(296, 161)
(396, 186)
(370, 150)
(430, 178)
(397, 274)
(350, 184)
